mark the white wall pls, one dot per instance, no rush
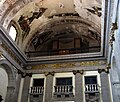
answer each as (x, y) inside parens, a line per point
(115, 61)
(3, 82)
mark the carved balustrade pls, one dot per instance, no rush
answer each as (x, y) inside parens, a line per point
(91, 88)
(37, 90)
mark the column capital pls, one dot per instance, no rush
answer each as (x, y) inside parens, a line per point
(26, 74)
(108, 66)
(49, 73)
(29, 74)
(100, 70)
(106, 70)
(19, 72)
(78, 71)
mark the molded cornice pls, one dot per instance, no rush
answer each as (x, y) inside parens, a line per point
(12, 49)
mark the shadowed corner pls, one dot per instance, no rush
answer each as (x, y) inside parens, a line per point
(1, 98)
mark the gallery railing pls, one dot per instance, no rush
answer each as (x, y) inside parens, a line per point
(92, 93)
(90, 88)
(63, 51)
(63, 89)
(36, 90)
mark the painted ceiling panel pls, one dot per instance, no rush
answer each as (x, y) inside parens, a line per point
(33, 17)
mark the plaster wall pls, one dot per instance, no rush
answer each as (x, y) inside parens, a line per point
(115, 61)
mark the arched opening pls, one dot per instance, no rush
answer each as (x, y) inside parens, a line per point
(8, 73)
(3, 83)
(13, 32)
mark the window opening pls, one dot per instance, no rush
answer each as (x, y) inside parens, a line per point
(90, 79)
(64, 81)
(38, 82)
(13, 32)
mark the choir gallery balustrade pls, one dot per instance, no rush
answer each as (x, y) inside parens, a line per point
(63, 91)
(36, 93)
(90, 88)
(92, 93)
(36, 90)
(63, 51)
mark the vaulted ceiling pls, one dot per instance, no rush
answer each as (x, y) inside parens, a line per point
(52, 18)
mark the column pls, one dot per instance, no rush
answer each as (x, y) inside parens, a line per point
(48, 87)
(17, 87)
(25, 92)
(78, 85)
(105, 86)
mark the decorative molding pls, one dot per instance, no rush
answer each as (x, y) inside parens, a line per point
(95, 10)
(112, 38)
(19, 72)
(26, 74)
(81, 72)
(49, 73)
(28, 67)
(11, 53)
(78, 71)
(114, 26)
(29, 74)
(90, 63)
(100, 70)
(75, 72)
(69, 64)
(106, 70)
(103, 70)
(108, 66)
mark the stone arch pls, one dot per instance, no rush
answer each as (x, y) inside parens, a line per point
(11, 80)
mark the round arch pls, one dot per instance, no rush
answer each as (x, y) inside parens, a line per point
(11, 80)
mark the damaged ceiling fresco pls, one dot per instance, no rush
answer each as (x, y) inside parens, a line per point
(38, 21)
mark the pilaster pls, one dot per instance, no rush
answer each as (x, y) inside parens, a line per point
(49, 86)
(78, 85)
(105, 85)
(9, 95)
(17, 87)
(26, 85)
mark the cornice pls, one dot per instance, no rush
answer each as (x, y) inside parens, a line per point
(68, 65)
(10, 47)
(8, 42)
(58, 58)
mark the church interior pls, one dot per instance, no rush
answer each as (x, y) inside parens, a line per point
(59, 51)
